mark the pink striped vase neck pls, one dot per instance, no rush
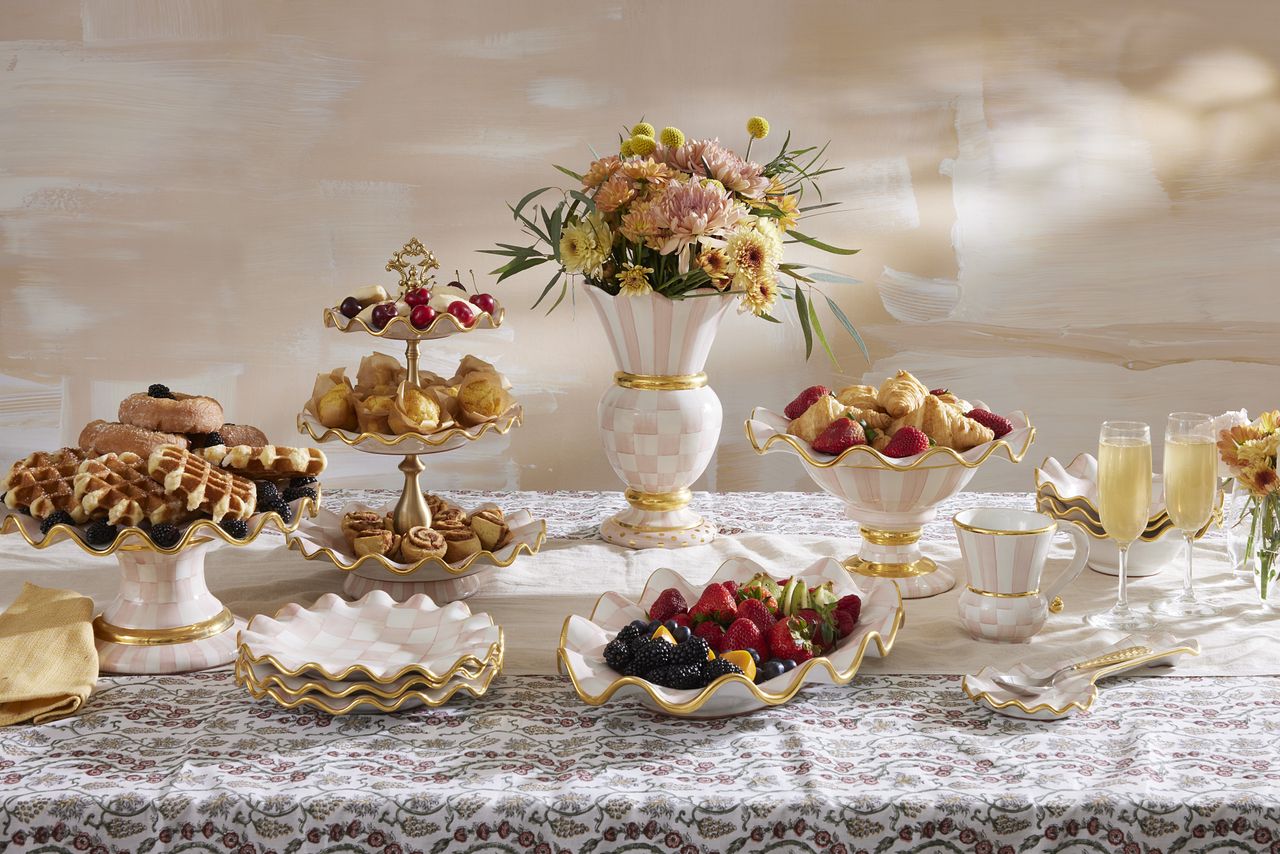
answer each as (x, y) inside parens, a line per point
(656, 335)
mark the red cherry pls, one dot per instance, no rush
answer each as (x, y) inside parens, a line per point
(485, 302)
(382, 314)
(421, 316)
(463, 312)
(350, 307)
(418, 296)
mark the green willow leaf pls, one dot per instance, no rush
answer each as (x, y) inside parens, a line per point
(802, 312)
(574, 175)
(551, 284)
(818, 244)
(528, 197)
(822, 336)
(521, 265)
(844, 320)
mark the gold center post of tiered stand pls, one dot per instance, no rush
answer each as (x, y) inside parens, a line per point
(411, 510)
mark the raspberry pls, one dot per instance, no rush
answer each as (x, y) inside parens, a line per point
(998, 424)
(907, 442)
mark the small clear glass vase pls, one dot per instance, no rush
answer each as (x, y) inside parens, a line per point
(1240, 523)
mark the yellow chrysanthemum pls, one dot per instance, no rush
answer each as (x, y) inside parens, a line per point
(643, 145)
(643, 129)
(759, 297)
(757, 126)
(585, 245)
(715, 264)
(625, 150)
(671, 137)
(790, 207)
(749, 251)
(634, 281)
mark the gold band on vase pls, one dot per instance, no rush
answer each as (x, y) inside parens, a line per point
(659, 502)
(877, 537)
(660, 382)
(128, 636)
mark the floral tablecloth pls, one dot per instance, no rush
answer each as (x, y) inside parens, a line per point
(902, 763)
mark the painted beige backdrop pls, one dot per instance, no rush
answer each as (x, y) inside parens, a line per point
(1069, 208)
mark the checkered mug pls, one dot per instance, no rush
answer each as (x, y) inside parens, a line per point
(1004, 553)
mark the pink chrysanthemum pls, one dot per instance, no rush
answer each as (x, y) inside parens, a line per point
(690, 211)
(707, 158)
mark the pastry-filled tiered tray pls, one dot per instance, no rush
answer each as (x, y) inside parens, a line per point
(397, 408)
(158, 490)
(892, 454)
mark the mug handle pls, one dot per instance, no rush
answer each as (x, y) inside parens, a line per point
(1080, 539)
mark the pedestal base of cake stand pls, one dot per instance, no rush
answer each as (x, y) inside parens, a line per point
(164, 619)
(441, 591)
(657, 521)
(896, 555)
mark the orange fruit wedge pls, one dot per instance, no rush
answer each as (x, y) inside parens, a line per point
(662, 634)
(743, 659)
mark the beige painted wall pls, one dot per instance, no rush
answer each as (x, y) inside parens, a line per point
(1069, 208)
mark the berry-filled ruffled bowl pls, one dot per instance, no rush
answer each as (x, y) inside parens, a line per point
(583, 641)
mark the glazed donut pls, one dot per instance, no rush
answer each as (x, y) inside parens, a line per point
(182, 413)
(111, 437)
(242, 434)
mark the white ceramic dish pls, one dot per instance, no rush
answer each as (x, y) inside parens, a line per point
(375, 638)
(1074, 692)
(583, 639)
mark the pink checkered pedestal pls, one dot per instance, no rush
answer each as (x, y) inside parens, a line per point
(660, 422)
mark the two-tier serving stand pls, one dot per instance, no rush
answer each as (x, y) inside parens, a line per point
(320, 538)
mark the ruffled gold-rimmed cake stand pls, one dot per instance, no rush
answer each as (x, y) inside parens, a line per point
(163, 619)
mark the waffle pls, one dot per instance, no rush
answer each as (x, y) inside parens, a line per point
(119, 486)
(204, 487)
(267, 461)
(43, 483)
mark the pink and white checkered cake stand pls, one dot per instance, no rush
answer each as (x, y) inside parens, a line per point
(163, 619)
(659, 421)
(891, 499)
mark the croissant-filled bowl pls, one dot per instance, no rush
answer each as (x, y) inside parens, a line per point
(891, 498)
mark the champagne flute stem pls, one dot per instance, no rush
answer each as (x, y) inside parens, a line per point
(1188, 586)
(1122, 594)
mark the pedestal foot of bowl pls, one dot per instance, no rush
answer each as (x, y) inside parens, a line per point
(141, 656)
(440, 592)
(657, 522)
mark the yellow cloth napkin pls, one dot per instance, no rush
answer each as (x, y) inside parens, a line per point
(48, 663)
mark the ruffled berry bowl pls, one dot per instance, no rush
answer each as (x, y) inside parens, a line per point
(582, 642)
(892, 499)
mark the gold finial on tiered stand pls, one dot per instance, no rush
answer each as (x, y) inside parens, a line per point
(413, 274)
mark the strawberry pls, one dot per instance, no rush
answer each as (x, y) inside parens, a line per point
(851, 604)
(804, 400)
(716, 604)
(939, 392)
(669, 603)
(791, 637)
(757, 612)
(732, 587)
(742, 634)
(840, 435)
(845, 621)
(709, 632)
(998, 424)
(907, 442)
(682, 620)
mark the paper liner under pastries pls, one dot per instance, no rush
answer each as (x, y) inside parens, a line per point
(379, 374)
(482, 397)
(342, 417)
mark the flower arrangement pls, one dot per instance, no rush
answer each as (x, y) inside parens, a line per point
(684, 218)
(1249, 451)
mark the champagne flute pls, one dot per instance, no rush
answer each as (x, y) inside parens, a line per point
(1124, 501)
(1190, 487)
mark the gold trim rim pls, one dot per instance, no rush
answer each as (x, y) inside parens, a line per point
(888, 463)
(655, 529)
(994, 595)
(129, 636)
(984, 697)
(1000, 532)
(883, 644)
(502, 426)
(660, 382)
(353, 324)
(881, 537)
(917, 568)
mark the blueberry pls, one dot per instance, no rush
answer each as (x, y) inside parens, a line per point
(755, 656)
(651, 627)
(788, 665)
(671, 626)
(681, 633)
(640, 625)
(771, 669)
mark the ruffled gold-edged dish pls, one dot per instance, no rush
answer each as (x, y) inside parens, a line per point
(1073, 693)
(410, 443)
(582, 641)
(400, 329)
(304, 680)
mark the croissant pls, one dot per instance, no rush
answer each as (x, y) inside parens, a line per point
(945, 424)
(816, 418)
(874, 417)
(860, 397)
(902, 394)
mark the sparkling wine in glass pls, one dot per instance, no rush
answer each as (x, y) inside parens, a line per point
(1190, 490)
(1124, 500)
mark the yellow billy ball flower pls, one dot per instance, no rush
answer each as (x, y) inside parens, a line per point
(643, 129)
(643, 145)
(626, 150)
(672, 137)
(758, 127)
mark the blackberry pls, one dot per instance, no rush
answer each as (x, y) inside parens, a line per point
(617, 654)
(159, 390)
(301, 481)
(718, 667)
(679, 676)
(268, 493)
(214, 438)
(57, 517)
(237, 528)
(165, 536)
(692, 651)
(293, 493)
(650, 655)
(100, 533)
(630, 632)
(283, 510)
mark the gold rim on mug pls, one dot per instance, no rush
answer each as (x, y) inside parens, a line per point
(307, 423)
(1001, 532)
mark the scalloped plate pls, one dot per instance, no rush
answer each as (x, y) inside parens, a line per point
(375, 639)
(322, 538)
(582, 642)
(132, 537)
(767, 430)
(400, 329)
(448, 439)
